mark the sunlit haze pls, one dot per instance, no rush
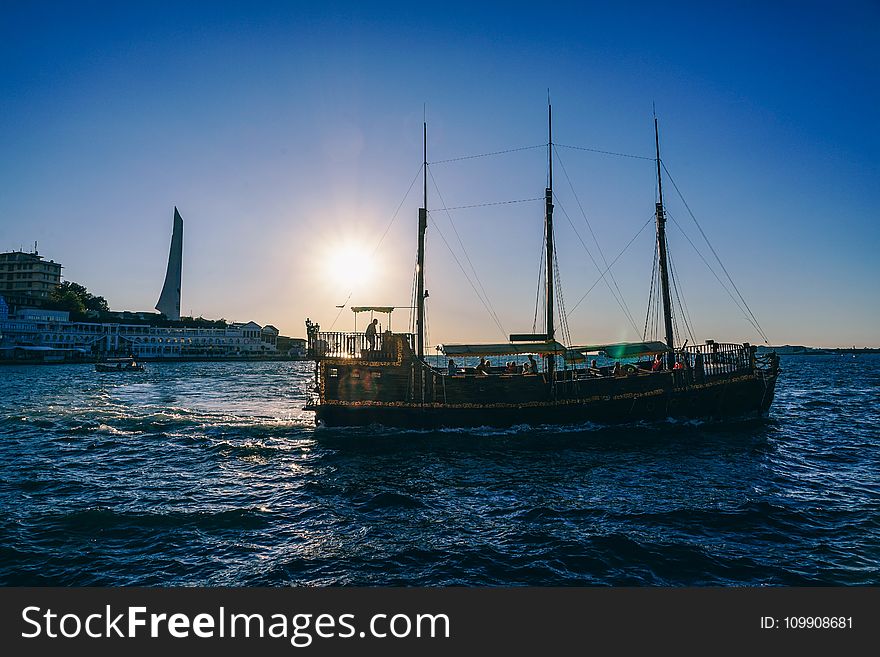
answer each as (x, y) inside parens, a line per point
(289, 136)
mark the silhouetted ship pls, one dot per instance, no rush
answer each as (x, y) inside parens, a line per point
(363, 379)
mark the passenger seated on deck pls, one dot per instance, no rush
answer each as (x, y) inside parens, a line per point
(511, 368)
(483, 368)
(450, 368)
(658, 364)
(532, 364)
(678, 365)
(617, 369)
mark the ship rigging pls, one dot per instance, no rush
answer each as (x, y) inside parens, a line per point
(366, 378)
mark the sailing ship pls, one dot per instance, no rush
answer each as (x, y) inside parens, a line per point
(367, 378)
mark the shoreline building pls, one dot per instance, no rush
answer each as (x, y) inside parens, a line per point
(36, 334)
(26, 279)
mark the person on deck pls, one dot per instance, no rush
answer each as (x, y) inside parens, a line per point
(533, 365)
(371, 334)
(678, 365)
(699, 368)
(511, 368)
(483, 368)
(450, 368)
(658, 364)
(617, 369)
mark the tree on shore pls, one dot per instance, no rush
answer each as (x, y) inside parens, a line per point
(75, 298)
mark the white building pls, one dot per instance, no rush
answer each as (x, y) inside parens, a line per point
(34, 327)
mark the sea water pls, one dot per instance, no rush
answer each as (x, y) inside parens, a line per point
(213, 474)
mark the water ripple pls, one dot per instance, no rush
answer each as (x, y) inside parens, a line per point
(213, 474)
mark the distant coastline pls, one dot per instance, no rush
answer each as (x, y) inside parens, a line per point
(799, 350)
(171, 359)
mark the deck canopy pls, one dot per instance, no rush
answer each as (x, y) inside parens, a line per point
(372, 309)
(502, 349)
(624, 349)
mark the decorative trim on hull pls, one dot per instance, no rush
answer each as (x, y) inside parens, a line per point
(743, 396)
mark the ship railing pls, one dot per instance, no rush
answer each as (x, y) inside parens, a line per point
(715, 359)
(384, 347)
(768, 362)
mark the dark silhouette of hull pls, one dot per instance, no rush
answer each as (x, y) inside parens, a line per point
(393, 387)
(720, 400)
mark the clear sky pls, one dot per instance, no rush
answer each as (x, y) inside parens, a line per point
(287, 134)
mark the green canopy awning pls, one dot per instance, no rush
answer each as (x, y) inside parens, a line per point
(502, 349)
(624, 349)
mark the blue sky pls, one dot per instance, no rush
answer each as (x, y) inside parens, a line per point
(287, 134)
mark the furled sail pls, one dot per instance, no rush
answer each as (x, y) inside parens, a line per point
(502, 349)
(624, 349)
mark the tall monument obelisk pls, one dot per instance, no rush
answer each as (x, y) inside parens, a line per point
(169, 300)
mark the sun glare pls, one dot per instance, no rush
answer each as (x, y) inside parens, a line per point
(350, 265)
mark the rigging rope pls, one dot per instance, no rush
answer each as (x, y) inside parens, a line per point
(473, 287)
(540, 277)
(473, 157)
(560, 301)
(487, 303)
(382, 238)
(413, 295)
(651, 290)
(341, 308)
(717, 278)
(601, 276)
(598, 246)
(620, 303)
(483, 205)
(723, 268)
(684, 314)
(596, 150)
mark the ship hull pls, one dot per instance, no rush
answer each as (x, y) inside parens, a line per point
(739, 397)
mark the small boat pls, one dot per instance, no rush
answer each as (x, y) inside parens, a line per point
(365, 378)
(119, 365)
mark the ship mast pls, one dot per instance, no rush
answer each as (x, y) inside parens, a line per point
(663, 258)
(420, 259)
(548, 229)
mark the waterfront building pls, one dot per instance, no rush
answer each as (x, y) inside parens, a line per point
(293, 347)
(32, 333)
(269, 335)
(26, 279)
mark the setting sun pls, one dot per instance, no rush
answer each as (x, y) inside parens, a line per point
(350, 264)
